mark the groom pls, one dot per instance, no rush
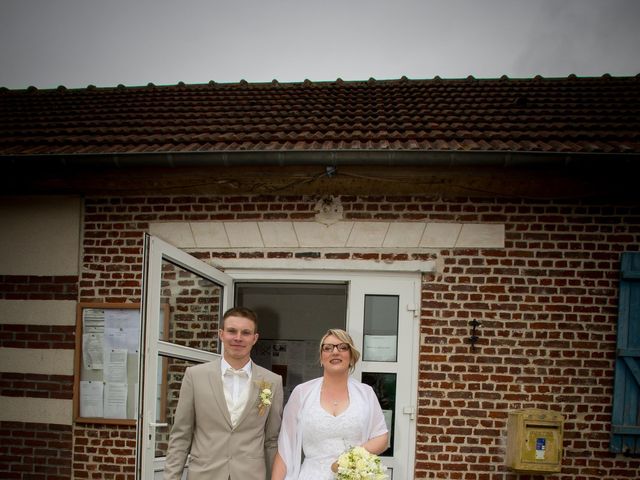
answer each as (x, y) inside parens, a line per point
(229, 411)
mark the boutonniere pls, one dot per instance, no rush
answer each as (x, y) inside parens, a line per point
(264, 396)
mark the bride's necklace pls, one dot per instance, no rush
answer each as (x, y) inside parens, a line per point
(334, 402)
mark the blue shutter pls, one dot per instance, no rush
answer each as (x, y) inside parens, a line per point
(625, 416)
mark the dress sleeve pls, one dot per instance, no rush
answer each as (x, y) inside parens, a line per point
(377, 425)
(288, 446)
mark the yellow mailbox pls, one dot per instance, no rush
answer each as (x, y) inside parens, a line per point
(534, 441)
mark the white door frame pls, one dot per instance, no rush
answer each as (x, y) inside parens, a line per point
(359, 284)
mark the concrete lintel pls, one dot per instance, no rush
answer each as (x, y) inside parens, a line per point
(347, 235)
(427, 266)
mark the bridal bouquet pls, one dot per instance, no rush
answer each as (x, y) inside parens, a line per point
(359, 464)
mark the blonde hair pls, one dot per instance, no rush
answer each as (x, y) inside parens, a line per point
(344, 337)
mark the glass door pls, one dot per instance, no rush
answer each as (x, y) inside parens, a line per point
(193, 297)
(384, 325)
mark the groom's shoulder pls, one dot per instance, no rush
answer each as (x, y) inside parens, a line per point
(203, 367)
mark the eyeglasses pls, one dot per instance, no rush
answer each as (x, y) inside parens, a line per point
(328, 347)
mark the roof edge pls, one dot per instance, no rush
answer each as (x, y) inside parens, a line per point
(318, 83)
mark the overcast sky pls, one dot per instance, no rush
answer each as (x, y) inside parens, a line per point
(76, 43)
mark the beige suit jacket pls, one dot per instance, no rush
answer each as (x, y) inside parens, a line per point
(202, 427)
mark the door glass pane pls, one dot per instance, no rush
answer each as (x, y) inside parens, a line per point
(384, 385)
(170, 373)
(380, 328)
(194, 308)
(292, 317)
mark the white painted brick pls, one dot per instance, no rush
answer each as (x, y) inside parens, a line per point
(440, 235)
(278, 234)
(368, 234)
(38, 312)
(178, 234)
(312, 234)
(40, 235)
(244, 234)
(36, 410)
(338, 235)
(37, 360)
(210, 235)
(404, 234)
(481, 235)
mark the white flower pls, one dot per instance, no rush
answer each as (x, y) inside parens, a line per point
(359, 464)
(264, 397)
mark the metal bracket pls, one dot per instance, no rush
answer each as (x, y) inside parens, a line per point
(411, 411)
(474, 337)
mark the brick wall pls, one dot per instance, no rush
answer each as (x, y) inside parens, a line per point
(36, 385)
(37, 336)
(36, 450)
(546, 304)
(104, 451)
(34, 287)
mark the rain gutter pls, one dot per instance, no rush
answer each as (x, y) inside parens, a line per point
(430, 158)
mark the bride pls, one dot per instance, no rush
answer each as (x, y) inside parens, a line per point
(328, 415)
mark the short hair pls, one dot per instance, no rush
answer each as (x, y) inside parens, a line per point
(243, 312)
(344, 337)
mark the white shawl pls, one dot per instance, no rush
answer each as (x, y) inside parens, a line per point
(290, 439)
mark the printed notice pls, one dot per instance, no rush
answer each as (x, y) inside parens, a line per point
(122, 328)
(91, 399)
(115, 366)
(115, 400)
(380, 348)
(93, 320)
(92, 350)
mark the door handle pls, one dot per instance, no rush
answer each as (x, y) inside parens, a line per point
(158, 425)
(154, 425)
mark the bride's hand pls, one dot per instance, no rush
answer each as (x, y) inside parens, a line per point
(334, 467)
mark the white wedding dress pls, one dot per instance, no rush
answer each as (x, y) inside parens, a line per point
(325, 437)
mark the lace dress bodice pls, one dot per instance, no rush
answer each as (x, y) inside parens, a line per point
(325, 437)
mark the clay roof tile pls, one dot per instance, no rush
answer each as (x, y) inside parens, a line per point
(554, 115)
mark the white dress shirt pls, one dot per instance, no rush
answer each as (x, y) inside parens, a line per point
(236, 391)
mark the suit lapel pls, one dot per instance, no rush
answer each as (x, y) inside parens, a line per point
(217, 390)
(256, 378)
